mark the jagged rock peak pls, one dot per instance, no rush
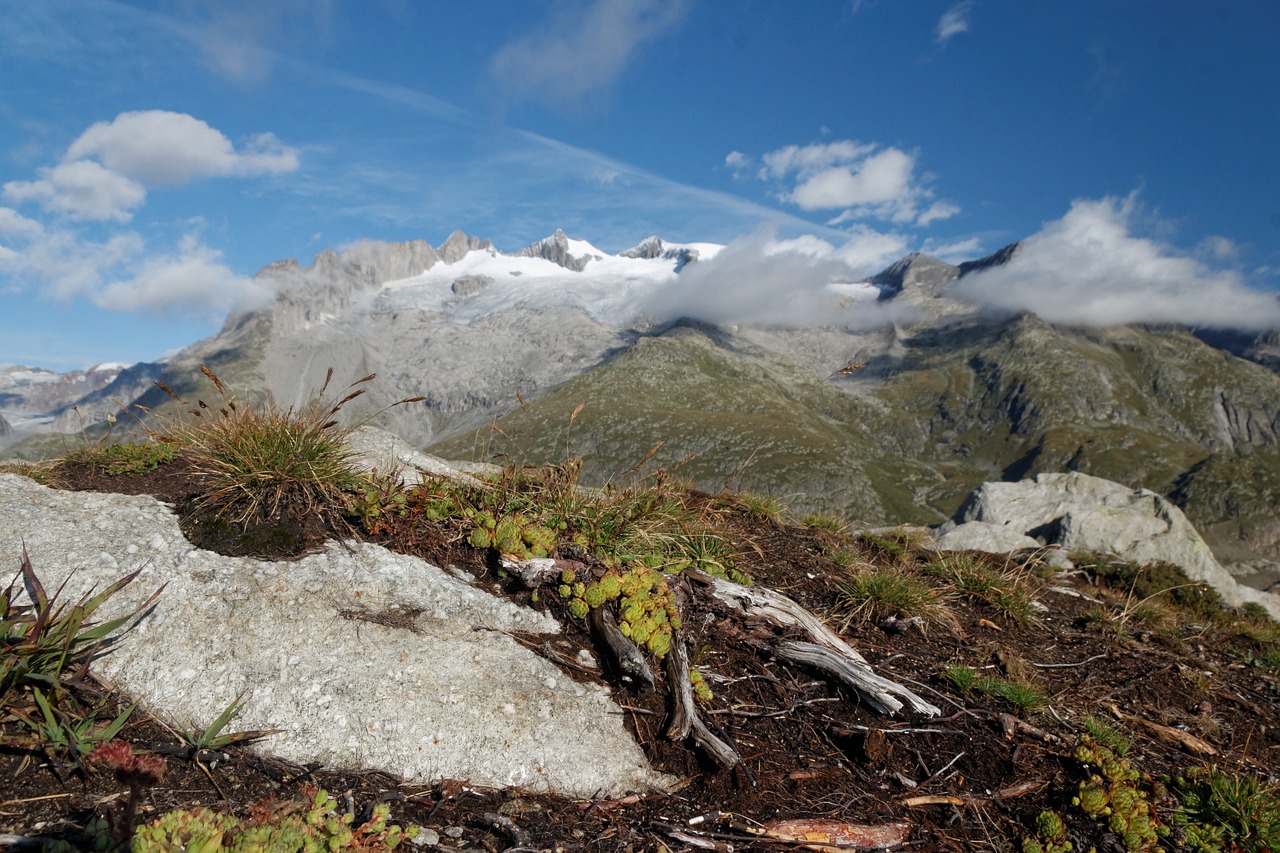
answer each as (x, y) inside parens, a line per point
(918, 273)
(459, 244)
(559, 249)
(654, 247)
(277, 269)
(995, 259)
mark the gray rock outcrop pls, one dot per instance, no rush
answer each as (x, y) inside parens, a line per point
(1083, 513)
(654, 247)
(377, 449)
(5, 428)
(470, 285)
(984, 536)
(556, 249)
(458, 245)
(366, 658)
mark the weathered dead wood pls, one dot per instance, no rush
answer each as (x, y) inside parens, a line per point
(685, 720)
(682, 707)
(1168, 734)
(723, 754)
(827, 652)
(536, 571)
(625, 654)
(776, 608)
(876, 690)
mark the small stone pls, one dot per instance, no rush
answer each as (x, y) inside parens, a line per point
(453, 831)
(426, 837)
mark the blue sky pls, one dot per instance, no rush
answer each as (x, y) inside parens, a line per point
(154, 156)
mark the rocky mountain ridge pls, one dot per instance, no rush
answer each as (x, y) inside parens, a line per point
(889, 423)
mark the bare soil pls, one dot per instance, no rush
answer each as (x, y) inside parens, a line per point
(973, 779)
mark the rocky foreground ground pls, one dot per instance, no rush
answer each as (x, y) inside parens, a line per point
(1092, 695)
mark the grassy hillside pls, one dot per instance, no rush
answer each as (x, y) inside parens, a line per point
(968, 402)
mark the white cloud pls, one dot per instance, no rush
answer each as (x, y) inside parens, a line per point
(957, 251)
(1089, 268)
(881, 179)
(120, 274)
(936, 211)
(193, 280)
(1219, 248)
(583, 50)
(103, 178)
(807, 159)
(861, 180)
(157, 147)
(14, 225)
(954, 22)
(241, 39)
(761, 280)
(106, 171)
(82, 190)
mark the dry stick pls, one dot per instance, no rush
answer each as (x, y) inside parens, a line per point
(1069, 665)
(685, 722)
(827, 651)
(626, 654)
(683, 712)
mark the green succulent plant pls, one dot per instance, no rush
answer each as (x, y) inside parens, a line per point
(321, 829)
(1113, 793)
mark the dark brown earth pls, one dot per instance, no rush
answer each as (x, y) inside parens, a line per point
(810, 750)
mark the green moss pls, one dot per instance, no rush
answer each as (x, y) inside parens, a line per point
(127, 458)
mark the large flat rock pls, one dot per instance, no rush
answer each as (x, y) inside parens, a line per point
(445, 694)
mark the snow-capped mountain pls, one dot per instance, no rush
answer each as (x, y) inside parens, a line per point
(34, 389)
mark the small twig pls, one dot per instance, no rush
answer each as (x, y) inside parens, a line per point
(32, 799)
(731, 712)
(508, 826)
(943, 769)
(1069, 665)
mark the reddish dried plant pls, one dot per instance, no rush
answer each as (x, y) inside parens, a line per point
(138, 772)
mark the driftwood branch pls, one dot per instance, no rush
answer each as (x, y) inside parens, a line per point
(877, 691)
(827, 652)
(683, 710)
(626, 654)
(685, 721)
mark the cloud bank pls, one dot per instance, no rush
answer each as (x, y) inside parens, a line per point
(104, 177)
(1089, 269)
(761, 280)
(860, 180)
(583, 49)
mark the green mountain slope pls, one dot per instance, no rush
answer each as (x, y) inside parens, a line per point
(954, 405)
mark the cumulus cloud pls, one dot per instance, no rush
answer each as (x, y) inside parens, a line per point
(119, 273)
(107, 170)
(81, 189)
(761, 280)
(954, 22)
(157, 147)
(102, 180)
(14, 225)
(1089, 268)
(583, 50)
(860, 180)
(192, 280)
